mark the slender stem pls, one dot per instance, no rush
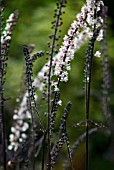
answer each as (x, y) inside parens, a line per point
(43, 155)
(87, 129)
(89, 63)
(49, 85)
(3, 134)
(30, 96)
(33, 131)
(88, 89)
(2, 119)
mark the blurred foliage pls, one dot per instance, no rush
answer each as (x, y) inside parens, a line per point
(33, 27)
(110, 5)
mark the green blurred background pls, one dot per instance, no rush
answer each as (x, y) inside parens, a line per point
(33, 27)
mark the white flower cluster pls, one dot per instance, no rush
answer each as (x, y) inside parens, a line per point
(6, 34)
(78, 33)
(19, 130)
(71, 43)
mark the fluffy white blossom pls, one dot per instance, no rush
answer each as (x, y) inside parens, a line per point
(56, 88)
(20, 125)
(6, 34)
(59, 102)
(100, 36)
(97, 54)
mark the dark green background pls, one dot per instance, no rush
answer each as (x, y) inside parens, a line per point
(34, 27)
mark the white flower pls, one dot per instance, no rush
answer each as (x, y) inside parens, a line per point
(8, 37)
(65, 38)
(88, 79)
(16, 145)
(65, 79)
(84, 10)
(11, 16)
(100, 36)
(17, 100)
(90, 34)
(28, 115)
(90, 19)
(59, 102)
(10, 147)
(56, 88)
(13, 129)
(12, 137)
(97, 54)
(15, 111)
(41, 75)
(57, 72)
(15, 117)
(25, 126)
(74, 25)
(23, 135)
(79, 17)
(71, 32)
(20, 122)
(68, 67)
(17, 134)
(20, 140)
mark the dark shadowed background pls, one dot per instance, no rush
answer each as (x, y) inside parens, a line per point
(33, 27)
